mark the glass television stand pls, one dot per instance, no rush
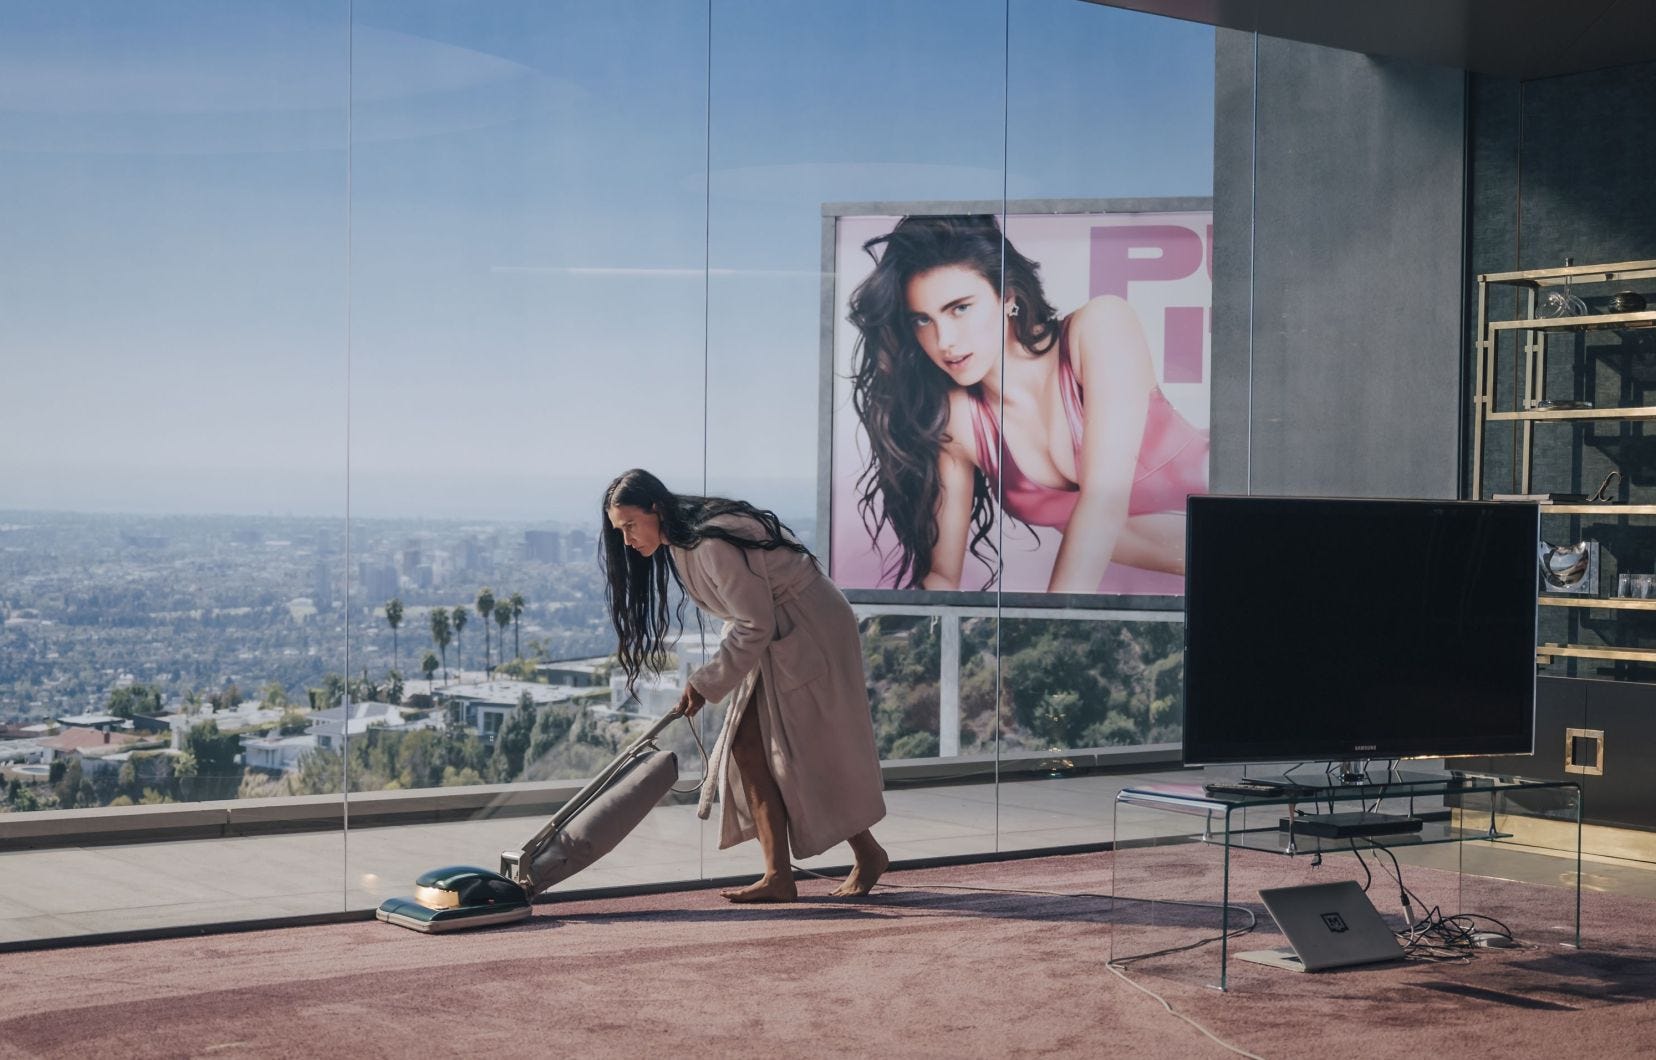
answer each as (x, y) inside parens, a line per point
(1449, 837)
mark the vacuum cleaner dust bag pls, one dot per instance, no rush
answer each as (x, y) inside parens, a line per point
(605, 821)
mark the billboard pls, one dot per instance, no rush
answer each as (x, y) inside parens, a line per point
(1020, 394)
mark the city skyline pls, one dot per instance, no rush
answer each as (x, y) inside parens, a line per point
(192, 602)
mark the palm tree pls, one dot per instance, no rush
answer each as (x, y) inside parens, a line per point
(503, 618)
(459, 618)
(441, 635)
(393, 618)
(485, 611)
(429, 664)
(517, 611)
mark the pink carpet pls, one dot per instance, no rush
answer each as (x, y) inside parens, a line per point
(920, 971)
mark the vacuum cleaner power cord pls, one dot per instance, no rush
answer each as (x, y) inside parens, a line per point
(707, 764)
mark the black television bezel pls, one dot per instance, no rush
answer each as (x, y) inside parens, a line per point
(1521, 741)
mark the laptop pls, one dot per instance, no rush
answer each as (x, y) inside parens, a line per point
(1329, 925)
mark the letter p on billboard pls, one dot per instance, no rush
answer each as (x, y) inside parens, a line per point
(1155, 255)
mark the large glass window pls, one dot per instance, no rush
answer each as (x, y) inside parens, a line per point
(324, 323)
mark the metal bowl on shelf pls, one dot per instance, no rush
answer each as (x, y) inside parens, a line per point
(1569, 568)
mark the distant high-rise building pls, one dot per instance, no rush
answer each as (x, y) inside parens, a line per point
(468, 554)
(322, 585)
(543, 546)
(379, 581)
(410, 559)
(442, 567)
(579, 546)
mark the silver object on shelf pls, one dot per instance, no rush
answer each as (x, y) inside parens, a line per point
(1570, 568)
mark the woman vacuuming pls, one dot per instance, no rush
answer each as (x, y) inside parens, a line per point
(806, 773)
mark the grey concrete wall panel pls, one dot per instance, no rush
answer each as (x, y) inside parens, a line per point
(1229, 470)
(1357, 272)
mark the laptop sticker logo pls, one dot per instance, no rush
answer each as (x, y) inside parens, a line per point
(1335, 922)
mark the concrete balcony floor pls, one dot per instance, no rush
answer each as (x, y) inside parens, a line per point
(69, 892)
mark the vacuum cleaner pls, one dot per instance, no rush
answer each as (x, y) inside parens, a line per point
(583, 830)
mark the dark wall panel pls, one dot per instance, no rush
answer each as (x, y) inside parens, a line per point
(1562, 169)
(1625, 713)
(1588, 152)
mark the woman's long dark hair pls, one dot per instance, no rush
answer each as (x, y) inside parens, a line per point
(636, 585)
(902, 398)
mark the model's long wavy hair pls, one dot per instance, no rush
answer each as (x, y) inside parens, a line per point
(636, 586)
(902, 398)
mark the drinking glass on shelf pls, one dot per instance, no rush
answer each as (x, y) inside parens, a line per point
(1561, 304)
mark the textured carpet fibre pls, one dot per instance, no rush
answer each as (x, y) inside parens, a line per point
(916, 971)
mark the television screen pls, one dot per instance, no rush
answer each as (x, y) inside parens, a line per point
(1321, 629)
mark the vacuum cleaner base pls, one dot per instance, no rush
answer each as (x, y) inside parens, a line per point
(598, 816)
(456, 898)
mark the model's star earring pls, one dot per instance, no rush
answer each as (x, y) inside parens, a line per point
(1012, 310)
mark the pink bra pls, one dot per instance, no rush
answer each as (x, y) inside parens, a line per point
(1172, 458)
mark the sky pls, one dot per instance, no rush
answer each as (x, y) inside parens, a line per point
(461, 259)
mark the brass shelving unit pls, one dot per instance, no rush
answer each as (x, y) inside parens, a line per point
(1614, 603)
(1544, 653)
(1530, 331)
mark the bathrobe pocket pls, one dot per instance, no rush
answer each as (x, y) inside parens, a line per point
(797, 660)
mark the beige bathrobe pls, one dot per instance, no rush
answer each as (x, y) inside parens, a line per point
(791, 651)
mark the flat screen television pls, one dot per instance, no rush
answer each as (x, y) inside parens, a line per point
(1320, 629)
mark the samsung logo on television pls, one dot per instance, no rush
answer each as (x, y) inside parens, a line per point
(1366, 747)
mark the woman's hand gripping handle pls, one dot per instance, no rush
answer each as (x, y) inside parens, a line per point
(691, 701)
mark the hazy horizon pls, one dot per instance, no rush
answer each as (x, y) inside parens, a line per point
(566, 500)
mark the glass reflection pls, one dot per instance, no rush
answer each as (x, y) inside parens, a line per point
(1109, 187)
(826, 119)
(528, 237)
(171, 497)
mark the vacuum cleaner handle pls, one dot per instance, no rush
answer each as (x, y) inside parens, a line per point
(579, 800)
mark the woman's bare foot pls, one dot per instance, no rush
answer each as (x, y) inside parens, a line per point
(766, 889)
(865, 873)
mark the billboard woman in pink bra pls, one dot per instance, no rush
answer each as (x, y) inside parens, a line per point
(1069, 428)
